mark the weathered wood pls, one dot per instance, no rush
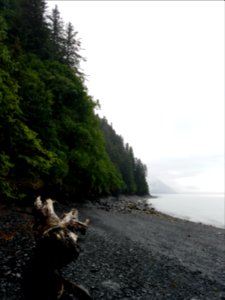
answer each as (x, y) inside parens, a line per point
(46, 218)
(57, 245)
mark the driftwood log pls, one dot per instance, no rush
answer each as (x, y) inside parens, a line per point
(57, 245)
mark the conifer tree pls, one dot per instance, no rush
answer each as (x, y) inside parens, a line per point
(30, 26)
(72, 48)
(56, 35)
(140, 174)
(50, 137)
(132, 171)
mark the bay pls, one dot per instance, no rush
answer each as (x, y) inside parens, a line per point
(204, 208)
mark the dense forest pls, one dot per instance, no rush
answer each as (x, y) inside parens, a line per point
(51, 140)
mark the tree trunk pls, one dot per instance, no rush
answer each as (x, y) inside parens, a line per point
(57, 245)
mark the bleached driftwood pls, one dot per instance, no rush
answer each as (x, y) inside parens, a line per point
(57, 245)
(46, 219)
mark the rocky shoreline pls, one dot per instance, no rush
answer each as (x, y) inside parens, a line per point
(124, 204)
(130, 252)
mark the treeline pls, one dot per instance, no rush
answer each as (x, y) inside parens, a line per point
(51, 141)
(131, 169)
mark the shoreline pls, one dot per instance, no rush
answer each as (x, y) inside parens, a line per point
(188, 253)
(140, 204)
(129, 252)
(201, 208)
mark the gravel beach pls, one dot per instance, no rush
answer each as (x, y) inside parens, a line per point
(129, 252)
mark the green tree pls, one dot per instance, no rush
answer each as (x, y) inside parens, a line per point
(28, 26)
(72, 49)
(50, 137)
(140, 178)
(22, 155)
(57, 37)
(132, 171)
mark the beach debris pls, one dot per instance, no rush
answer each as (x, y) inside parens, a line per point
(56, 246)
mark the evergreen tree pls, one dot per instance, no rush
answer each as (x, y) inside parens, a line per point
(65, 44)
(132, 171)
(57, 35)
(29, 26)
(50, 137)
(140, 178)
(22, 155)
(72, 48)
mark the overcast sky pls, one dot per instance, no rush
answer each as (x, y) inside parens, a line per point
(157, 68)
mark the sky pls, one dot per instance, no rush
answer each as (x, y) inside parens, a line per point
(157, 69)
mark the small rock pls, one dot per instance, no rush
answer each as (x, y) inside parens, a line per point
(18, 275)
(109, 284)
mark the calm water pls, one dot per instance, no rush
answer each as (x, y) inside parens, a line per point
(204, 208)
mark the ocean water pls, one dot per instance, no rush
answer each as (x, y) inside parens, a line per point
(205, 208)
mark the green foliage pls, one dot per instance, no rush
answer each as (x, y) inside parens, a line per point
(50, 138)
(30, 27)
(140, 173)
(22, 153)
(56, 34)
(64, 42)
(5, 167)
(132, 171)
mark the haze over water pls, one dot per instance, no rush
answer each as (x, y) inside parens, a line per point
(204, 208)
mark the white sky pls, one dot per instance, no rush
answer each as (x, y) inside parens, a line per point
(157, 68)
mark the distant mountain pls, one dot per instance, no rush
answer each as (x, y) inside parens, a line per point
(157, 186)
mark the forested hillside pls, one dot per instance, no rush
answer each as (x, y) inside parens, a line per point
(132, 170)
(51, 141)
